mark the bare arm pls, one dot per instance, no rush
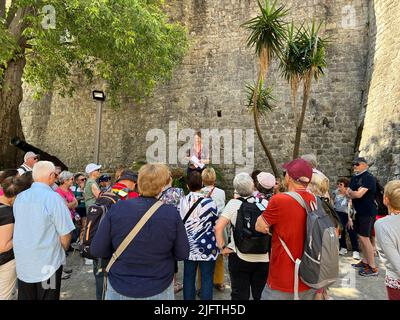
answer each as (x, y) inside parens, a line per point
(65, 241)
(356, 194)
(73, 204)
(222, 222)
(262, 225)
(6, 237)
(95, 191)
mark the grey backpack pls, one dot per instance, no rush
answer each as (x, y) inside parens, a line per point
(319, 265)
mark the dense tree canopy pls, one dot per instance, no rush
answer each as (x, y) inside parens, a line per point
(131, 44)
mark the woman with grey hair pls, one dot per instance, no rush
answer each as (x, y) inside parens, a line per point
(247, 271)
(66, 180)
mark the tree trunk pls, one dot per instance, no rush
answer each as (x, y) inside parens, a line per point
(258, 129)
(10, 122)
(299, 126)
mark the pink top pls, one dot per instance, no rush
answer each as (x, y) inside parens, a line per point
(68, 196)
(1, 192)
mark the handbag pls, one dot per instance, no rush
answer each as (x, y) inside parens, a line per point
(128, 239)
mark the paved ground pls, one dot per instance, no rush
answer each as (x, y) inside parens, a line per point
(350, 286)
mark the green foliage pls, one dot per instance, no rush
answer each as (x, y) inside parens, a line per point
(264, 98)
(129, 43)
(313, 49)
(292, 61)
(268, 30)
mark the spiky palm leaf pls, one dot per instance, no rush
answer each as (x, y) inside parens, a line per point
(268, 30)
(265, 98)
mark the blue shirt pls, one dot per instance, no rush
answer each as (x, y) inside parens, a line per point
(41, 217)
(146, 267)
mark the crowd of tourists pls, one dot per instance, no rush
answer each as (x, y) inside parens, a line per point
(281, 236)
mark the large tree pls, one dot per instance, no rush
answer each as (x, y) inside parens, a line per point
(131, 44)
(267, 36)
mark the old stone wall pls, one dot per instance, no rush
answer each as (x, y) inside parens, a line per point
(212, 79)
(380, 141)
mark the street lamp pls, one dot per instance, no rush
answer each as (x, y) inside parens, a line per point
(101, 97)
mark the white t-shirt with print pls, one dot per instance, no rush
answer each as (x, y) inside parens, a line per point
(230, 213)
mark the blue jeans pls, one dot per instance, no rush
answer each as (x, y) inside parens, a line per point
(167, 294)
(189, 279)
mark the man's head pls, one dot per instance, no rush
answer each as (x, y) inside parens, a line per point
(298, 173)
(30, 159)
(129, 179)
(104, 180)
(360, 164)
(44, 172)
(311, 159)
(93, 170)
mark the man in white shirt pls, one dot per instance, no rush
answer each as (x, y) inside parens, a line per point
(30, 159)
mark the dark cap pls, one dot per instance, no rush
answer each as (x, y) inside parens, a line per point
(104, 178)
(128, 175)
(360, 159)
(299, 170)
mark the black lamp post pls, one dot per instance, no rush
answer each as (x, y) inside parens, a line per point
(101, 97)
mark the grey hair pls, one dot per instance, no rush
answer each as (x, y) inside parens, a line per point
(311, 159)
(42, 169)
(243, 184)
(65, 176)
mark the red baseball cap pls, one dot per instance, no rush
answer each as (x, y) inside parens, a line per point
(299, 170)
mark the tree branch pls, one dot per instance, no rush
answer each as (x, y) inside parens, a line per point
(2, 9)
(11, 14)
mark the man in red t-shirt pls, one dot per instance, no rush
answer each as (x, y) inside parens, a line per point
(286, 218)
(126, 185)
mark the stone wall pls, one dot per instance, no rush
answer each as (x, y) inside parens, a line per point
(380, 141)
(212, 78)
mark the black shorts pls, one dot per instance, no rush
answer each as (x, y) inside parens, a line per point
(364, 225)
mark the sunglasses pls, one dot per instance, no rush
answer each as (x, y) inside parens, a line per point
(36, 158)
(356, 164)
(83, 179)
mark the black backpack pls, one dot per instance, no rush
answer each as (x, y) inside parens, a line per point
(382, 209)
(247, 239)
(95, 213)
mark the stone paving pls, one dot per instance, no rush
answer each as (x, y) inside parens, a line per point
(350, 286)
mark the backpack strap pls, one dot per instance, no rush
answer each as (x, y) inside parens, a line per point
(210, 193)
(301, 201)
(192, 209)
(296, 262)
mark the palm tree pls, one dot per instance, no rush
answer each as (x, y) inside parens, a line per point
(268, 33)
(292, 64)
(312, 48)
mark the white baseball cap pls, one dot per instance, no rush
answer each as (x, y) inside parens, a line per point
(29, 154)
(92, 167)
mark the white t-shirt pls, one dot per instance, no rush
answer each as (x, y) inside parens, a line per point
(218, 195)
(230, 213)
